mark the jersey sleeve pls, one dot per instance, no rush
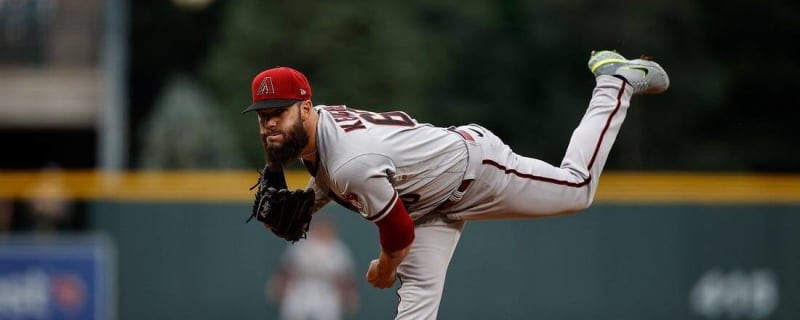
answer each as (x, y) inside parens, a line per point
(365, 182)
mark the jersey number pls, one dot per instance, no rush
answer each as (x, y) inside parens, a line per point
(352, 119)
(392, 118)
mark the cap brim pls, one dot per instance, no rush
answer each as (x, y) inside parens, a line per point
(271, 103)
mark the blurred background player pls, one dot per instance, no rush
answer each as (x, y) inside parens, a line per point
(315, 280)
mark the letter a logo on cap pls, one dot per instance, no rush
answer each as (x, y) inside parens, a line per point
(266, 86)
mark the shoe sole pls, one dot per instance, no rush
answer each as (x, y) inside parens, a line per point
(613, 57)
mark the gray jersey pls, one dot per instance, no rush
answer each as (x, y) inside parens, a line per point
(370, 159)
(365, 157)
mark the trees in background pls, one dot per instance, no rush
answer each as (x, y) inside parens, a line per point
(518, 67)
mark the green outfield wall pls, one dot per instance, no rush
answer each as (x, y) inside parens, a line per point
(183, 260)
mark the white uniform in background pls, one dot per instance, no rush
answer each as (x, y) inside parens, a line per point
(313, 275)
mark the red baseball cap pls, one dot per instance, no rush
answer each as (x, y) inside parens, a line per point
(278, 87)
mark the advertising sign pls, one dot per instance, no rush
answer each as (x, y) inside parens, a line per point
(58, 278)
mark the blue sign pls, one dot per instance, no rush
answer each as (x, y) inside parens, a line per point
(57, 278)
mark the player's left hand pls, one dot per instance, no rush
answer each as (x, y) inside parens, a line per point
(380, 279)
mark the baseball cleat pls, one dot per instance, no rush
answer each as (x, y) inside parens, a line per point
(644, 75)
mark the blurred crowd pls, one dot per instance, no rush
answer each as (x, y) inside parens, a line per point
(47, 209)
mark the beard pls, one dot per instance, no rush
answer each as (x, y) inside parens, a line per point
(290, 149)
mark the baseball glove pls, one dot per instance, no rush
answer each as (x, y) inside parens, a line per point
(287, 213)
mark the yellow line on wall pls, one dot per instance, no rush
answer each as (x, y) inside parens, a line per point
(138, 186)
(698, 188)
(227, 186)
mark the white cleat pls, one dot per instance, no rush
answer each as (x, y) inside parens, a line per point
(645, 76)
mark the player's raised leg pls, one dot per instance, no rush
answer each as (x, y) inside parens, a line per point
(519, 187)
(617, 80)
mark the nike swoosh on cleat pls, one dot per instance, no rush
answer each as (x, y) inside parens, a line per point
(642, 69)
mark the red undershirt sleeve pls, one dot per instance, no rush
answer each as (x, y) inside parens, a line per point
(396, 228)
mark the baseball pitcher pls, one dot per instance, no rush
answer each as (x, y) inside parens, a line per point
(419, 183)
